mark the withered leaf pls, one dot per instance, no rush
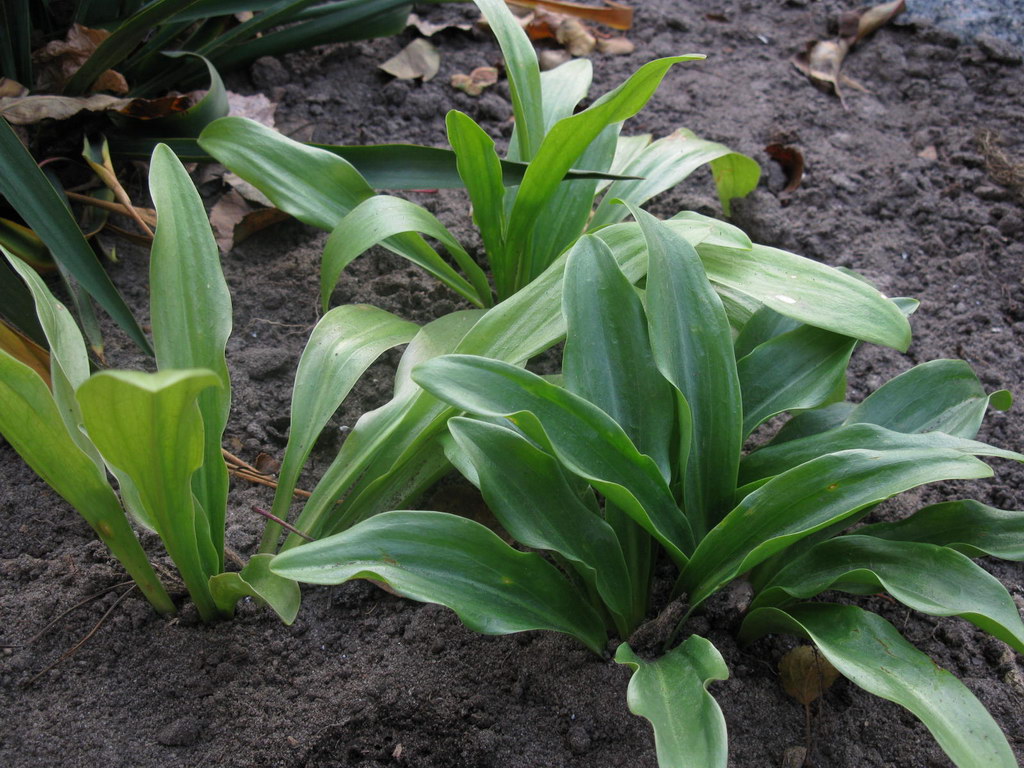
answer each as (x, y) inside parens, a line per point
(419, 59)
(806, 674)
(791, 160)
(475, 82)
(614, 15)
(58, 60)
(27, 110)
(575, 37)
(429, 28)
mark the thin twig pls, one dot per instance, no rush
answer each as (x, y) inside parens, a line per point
(75, 607)
(283, 523)
(240, 468)
(74, 649)
(106, 205)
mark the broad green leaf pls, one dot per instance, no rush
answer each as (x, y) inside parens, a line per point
(799, 369)
(563, 88)
(764, 325)
(776, 459)
(967, 526)
(434, 557)
(191, 317)
(531, 497)
(735, 176)
(480, 170)
(692, 344)
(587, 441)
(608, 358)
(565, 142)
(672, 693)
(342, 346)
(149, 426)
(44, 210)
(438, 337)
(812, 496)
(257, 581)
(69, 362)
(717, 232)
(791, 285)
(940, 395)
(871, 653)
(665, 163)
(381, 218)
(813, 422)
(31, 422)
(523, 75)
(928, 578)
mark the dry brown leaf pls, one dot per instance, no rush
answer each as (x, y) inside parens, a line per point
(551, 59)
(256, 107)
(22, 348)
(615, 46)
(806, 674)
(614, 15)
(575, 37)
(791, 160)
(266, 464)
(929, 153)
(11, 89)
(153, 109)
(258, 220)
(475, 82)
(234, 220)
(58, 60)
(419, 59)
(429, 28)
(28, 110)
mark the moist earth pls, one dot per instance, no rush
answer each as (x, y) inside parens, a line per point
(912, 184)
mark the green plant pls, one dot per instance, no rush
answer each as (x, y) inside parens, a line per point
(159, 434)
(641, 450)
(524, 223)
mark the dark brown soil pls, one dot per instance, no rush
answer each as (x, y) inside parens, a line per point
(899, 186)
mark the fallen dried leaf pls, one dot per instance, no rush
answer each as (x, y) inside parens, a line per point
(58, 60)
(22, 348)
(419, 59)
(234, 220)
(28, 110)
(615, 46)
(551, 59)
(791, 160)
(429, 28)
(11, 89)
(806, 674)
(929, 153)
(256, 107)
(615, 15)
(475, 82)
(267, 464)
(575, 37)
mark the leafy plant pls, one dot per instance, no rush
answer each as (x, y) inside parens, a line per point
(159, 434)
(641, 451)
(524, 223)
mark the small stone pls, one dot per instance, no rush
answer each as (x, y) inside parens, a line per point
(267, 72)
(551, 59)
(998, 50)
(578, 740)
(183, 732)
(794, 757)
(991, 192)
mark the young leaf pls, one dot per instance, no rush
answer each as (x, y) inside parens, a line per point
(967, 526)
(671, 692)
(342, 346)
(434, 557)
(149, 426)
(692, 344)
(191, 316)
(925, 577)
(870, 652)
(257, 581)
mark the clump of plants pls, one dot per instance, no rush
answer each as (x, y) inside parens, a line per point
(637, 455)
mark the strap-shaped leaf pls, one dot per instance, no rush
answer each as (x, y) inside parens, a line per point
(791, 285)
(692, 343)
(584, 438)
(940, 395)
(812, 496)
(566, 141)
(342, 346)
(802, 368)
(531, 497)
(608, 358)
(925, 577)
(968, 526)
(148, 425)
(776, 459)
(813, 422)
(671, 692)
(668, 161)
(257, 581)
(871, 653)
(31, 422)
(434, 557)
(764, 325)
(191, 316)
(381, 218)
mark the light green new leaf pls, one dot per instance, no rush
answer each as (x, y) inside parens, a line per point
(585, 439)
(928, 578)
(382, 218)
(870, 652)
(257, 581)
(692, 343)
(342, 346)
(434, 557)
(31, 422)
(191, 316)
(671, 692)
(776, 459)
(608, 359)
(668, 161)
(149, 426)
(528, 492)
(798, 369)
(940, 395)
(735, 175)
(967, 526)
(812, 496)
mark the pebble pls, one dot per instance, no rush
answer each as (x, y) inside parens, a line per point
(998, 50)
(267, 72)
(183, 732)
